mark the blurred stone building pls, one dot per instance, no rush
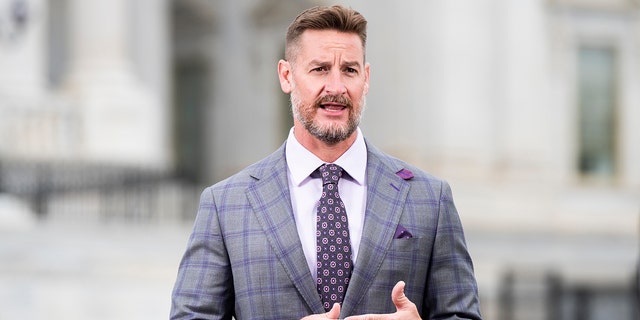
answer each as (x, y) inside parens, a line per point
(123, 110)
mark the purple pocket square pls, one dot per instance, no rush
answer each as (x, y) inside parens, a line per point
(402, 233)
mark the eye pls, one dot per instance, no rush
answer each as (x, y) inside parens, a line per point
(319, 69)
(351, 70)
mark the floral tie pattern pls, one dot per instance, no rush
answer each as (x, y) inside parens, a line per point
(332, 240)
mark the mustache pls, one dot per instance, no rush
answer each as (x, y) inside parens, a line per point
(333, 98)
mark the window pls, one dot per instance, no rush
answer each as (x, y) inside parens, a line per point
(597, 112)
(190, 81)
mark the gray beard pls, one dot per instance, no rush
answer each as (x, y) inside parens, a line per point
(333, 133)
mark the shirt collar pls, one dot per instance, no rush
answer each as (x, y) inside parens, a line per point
(302, 162)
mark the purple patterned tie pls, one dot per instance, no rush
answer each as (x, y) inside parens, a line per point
(332, 239)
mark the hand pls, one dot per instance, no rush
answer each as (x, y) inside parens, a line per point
(334, 313)
(405, 308)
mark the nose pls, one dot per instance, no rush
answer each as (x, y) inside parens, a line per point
(335, 83)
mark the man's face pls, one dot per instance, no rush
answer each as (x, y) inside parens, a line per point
(328, 81)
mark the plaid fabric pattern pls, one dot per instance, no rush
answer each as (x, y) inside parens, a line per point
(244, 258)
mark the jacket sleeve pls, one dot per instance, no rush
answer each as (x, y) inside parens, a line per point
(204, 285)
(451, 292)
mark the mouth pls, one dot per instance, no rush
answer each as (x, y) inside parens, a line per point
(332, 107)
(333, 104)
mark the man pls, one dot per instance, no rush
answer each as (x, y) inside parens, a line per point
(274, 242)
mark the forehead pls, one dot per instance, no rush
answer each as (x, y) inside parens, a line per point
(314, 43)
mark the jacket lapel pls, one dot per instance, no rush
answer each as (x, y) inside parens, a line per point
(386, 193)
(271, 202)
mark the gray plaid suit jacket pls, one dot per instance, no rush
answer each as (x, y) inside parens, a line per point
(244, 258)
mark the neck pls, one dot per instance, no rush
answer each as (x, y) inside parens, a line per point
(326, 152)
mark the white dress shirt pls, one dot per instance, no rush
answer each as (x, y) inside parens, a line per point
(305, 192)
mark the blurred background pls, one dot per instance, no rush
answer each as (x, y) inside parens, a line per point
(115, 114)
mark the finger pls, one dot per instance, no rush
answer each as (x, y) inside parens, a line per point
(399, 299)
(405, 308)
(334, 313)
(365, 317)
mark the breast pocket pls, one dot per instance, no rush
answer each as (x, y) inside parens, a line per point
(407, 260)
(408, 244)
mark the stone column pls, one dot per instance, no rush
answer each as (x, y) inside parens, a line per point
(529, 124)
(232, 133)
(122, 116)
(464, 115)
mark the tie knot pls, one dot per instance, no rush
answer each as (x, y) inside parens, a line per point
(330, 172)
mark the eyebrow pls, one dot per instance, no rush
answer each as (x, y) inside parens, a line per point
(351, 64)
(325, 63)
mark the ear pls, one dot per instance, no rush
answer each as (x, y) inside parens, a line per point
(284, 74)
(367, 70)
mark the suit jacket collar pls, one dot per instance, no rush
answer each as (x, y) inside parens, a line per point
(271, 201)
(386, 192)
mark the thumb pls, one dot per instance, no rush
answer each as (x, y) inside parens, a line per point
(334, 313)
(399, 299)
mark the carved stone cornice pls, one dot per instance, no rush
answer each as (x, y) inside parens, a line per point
(599, 5)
